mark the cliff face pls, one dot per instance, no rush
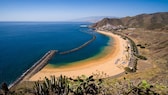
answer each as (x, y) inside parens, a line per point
(148, 21)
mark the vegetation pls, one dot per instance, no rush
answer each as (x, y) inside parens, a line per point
(141, 46)
(90, 86)
(143, 88)
(57, 86)
(4, 88)
(127, 69)
(135, 64)
(64, 86)
(134, 47)
(141, 57)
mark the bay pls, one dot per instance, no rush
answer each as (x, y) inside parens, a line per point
(24, 43)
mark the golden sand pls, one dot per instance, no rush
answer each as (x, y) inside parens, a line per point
(113, 61)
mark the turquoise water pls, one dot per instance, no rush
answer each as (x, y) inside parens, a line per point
(23, 43)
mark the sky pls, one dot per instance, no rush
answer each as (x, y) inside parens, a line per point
(64, 10)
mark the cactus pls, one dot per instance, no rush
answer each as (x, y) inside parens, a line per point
(53, 83)
(63, 86)
(37, 88)
(46, 82)
(79, 91)
(59, 86)
(87, 86)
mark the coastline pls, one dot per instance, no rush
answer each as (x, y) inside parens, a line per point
(110, 64)
(35, 68)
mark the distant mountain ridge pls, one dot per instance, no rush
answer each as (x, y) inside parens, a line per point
(148, 21)
(92, 19)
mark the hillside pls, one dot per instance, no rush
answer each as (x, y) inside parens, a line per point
(148, 21)
(150, 34)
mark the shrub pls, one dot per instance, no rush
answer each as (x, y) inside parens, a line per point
(141, 57)
(142, 46)
(4, 87)
(138, 44)
(127, 69)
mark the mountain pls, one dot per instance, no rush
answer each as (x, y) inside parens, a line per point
(147, 21)
(92, 19)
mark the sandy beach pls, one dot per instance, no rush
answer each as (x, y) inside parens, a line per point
(112, 62)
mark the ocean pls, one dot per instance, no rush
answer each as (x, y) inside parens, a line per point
(24, 43)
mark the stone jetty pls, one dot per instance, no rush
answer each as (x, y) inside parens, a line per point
(35, 68)
(81, 46)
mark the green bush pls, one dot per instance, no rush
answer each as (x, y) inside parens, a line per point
(127, 69)
(139, 45)
(141, 57)
(142, 46)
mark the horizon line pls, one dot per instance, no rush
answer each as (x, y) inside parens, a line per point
(45, 21)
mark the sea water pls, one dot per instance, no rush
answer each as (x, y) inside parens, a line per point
(24, 43)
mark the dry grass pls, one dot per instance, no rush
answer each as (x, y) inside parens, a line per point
(155, 69)
(24, 88)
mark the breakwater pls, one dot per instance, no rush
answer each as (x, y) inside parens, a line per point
(43, 62)
(81, 46)
(35, 68)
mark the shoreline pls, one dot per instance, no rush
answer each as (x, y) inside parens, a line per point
(81, 63)
(111, 64)
(35, 68)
